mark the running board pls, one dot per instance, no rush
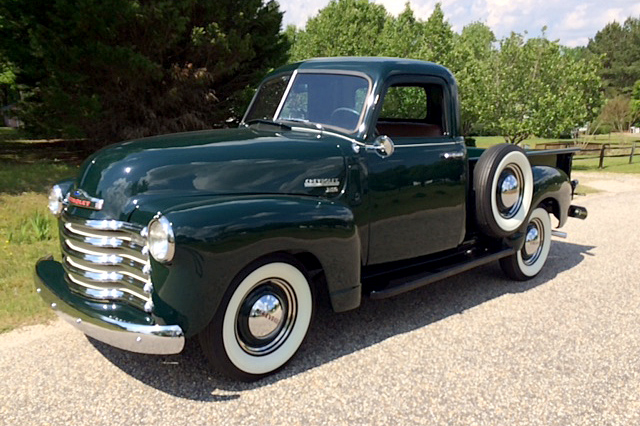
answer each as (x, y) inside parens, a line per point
(401, 285)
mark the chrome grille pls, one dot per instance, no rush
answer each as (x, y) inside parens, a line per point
(106, 260)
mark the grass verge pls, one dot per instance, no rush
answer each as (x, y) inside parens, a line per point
(27, 230)
(611, 165)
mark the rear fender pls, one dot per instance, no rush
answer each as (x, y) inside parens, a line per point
(551, 187)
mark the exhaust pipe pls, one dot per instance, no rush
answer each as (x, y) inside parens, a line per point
(558, 234)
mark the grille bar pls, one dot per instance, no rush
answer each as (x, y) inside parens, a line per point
(106, 260)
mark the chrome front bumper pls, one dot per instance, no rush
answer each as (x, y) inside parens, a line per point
(130, 336)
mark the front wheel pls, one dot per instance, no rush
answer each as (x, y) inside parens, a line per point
(529, 260)
(262, 320)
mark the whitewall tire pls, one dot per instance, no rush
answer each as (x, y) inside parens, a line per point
(527, 262)
(503, 183)
(262, 320)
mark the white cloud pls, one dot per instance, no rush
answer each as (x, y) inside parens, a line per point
(577, 19)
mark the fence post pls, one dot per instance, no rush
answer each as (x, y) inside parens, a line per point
(633, 151)
(601, 165)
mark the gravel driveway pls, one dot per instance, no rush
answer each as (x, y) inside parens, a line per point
(476, 349)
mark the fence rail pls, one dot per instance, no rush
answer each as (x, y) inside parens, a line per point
(600, 151)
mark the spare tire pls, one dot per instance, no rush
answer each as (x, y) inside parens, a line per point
(503, 184)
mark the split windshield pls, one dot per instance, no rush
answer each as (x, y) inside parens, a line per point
(333, 100)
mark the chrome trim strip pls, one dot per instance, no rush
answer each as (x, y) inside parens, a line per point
(141, 338)
(105, 280)
(285, 94)
(103, 258)
(100, 270)
(85, 247)
(420, 145)
(112, 225)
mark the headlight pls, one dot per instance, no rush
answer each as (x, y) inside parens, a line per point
(55, 200)
(161, 240)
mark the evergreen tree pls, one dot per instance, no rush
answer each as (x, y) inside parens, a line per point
(119, 69)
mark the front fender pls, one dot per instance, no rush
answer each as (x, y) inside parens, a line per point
(217, 238)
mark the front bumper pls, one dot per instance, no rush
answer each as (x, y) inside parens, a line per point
(118, 326)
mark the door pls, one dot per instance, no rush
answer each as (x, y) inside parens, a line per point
(417, 195)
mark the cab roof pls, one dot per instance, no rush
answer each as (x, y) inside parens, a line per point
(377, 68)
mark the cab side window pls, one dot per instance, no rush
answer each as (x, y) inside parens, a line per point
(412, 110)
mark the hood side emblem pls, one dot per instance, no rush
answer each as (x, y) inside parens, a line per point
(79, 198)
(321, 182)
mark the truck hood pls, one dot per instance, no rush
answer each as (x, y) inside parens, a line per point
(206, 163)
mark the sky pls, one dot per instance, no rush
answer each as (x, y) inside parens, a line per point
(573, 22)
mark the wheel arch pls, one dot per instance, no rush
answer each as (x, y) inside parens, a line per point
(552, 190)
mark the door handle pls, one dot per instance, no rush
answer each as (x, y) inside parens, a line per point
(452, 155)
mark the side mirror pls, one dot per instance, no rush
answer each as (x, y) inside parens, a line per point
(383, 146)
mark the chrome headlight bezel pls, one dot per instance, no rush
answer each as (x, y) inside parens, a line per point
(56, 200)
(161, 239)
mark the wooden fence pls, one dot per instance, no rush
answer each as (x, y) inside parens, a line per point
(597, 150)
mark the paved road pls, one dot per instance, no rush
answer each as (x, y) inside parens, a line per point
(563, 349)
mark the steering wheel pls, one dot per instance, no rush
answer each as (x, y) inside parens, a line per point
(345, 117)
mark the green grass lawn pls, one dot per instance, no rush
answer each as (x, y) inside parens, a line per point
(27, 230)
(611, 165)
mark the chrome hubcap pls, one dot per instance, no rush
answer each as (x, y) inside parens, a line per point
(534, 240)
(266, 317)
(510, 191)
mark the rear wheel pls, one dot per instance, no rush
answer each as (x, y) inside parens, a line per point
(529, 260)
(262, 321)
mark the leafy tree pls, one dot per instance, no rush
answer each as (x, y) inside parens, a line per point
(620, 47)
(403, 37)
(538, 89)
(619, 113)
(342, 28)
(438, 39)
(635, 101)
(473, 52)
(8, 89)
(119, 69)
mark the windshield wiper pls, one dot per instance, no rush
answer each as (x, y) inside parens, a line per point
(268, 123)
(305, 123)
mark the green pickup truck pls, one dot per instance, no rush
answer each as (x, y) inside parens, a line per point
(346, 176)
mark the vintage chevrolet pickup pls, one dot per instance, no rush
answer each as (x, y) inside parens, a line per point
(347, 176)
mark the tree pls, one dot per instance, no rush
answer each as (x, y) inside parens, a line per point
(8, 89)
(538, 89)
(619, 45)
(119, 69)
(342, 28)
(403, 36)
(473, 52)
(619, 113)
(635, 101)
(438, 39)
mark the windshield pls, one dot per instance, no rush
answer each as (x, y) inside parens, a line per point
(334, 100)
